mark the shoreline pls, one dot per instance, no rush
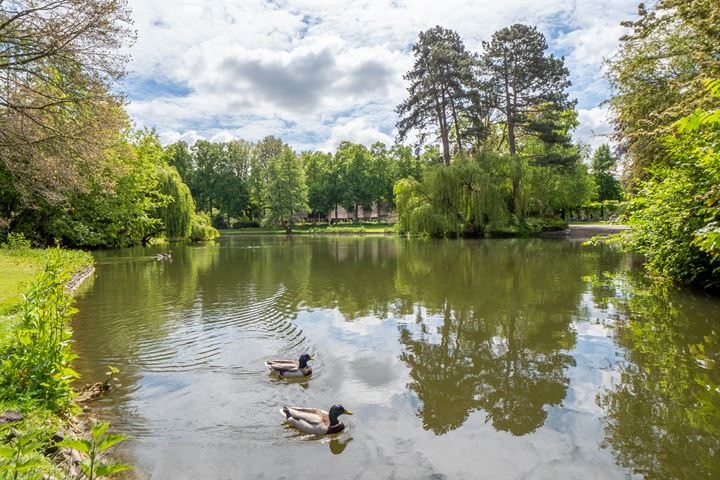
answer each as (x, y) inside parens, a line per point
(579, 230)
(249, 234)
(53, 425)
(78, 279)
(573, 231)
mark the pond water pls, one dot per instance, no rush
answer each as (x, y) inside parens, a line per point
(460, 359)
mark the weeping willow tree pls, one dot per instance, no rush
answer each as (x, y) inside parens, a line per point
(177, 214)
(463, 198)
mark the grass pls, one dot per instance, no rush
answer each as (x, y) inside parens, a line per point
(321, 228)
(19, 268)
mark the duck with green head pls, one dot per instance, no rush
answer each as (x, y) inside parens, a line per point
(291, 368)
(316, 421)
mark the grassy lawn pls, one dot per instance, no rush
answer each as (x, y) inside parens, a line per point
(323, 228)
(19, 268)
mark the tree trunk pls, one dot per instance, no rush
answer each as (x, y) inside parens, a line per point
(457, 126)
(442, 122)
(510, 120)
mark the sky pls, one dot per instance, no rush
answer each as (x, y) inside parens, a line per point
(321, 72)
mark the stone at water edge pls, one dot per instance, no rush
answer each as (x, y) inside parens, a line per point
(10, 417)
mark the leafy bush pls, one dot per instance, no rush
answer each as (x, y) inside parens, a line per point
(16, 241)
(675, 213)
(246, 225)
(201, 228)
(37, 363)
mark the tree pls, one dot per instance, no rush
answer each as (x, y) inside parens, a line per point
(179, 156)
(208, 160)
(234, 170)
(438, 91)
(528, 86)
(354, 161)
(177, 214)
(269, 147)
(603, 167)
(119, 207)
(320, 182)
(57, 62)
(286, 192)
(383, 175)
(675, 213)
(657, 78)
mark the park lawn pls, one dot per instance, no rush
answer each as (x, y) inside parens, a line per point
(323, 228)
(19, 268)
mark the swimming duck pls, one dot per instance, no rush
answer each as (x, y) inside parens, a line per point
(291, 368)
(164, 256)
(316, 421)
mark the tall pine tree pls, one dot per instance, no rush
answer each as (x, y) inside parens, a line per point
(438, 91)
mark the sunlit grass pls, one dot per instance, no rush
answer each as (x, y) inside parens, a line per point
(365, 227)
(19, 268)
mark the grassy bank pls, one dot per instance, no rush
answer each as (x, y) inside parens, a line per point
(531, 226)
(35, 393)
(19, 267)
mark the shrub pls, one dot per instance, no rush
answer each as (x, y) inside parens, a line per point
(201, 228)
(16, 241)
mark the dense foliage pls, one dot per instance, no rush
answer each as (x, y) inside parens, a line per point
(665, 111)
(657, 77)
(511, 119)
(473, 196)
(676, 212)
(71, 168)
(603, 169)
(37, 363)
(243, 183)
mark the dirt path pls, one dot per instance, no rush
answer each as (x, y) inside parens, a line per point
(579, 230)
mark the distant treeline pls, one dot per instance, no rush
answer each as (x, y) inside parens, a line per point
(266, 182)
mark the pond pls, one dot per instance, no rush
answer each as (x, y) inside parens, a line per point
(512, 358)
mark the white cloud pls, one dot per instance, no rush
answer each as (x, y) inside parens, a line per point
(594, 126)
(357, 131)
(316, 73)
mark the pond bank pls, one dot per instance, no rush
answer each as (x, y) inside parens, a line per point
(31, 289)
(579, 230)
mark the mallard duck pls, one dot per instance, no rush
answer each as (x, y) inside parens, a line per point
(291, 368)
(164, 256)
(316, 421)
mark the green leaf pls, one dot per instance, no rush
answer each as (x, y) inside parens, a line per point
(28, 465)
(85, 467)
(110, 440)
(109, 468)
(6, 452)
(99, 429)
(69, 372)
(81, 445)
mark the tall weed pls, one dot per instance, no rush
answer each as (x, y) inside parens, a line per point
(36, 365)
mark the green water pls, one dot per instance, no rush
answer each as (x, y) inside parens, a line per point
(537, 359)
